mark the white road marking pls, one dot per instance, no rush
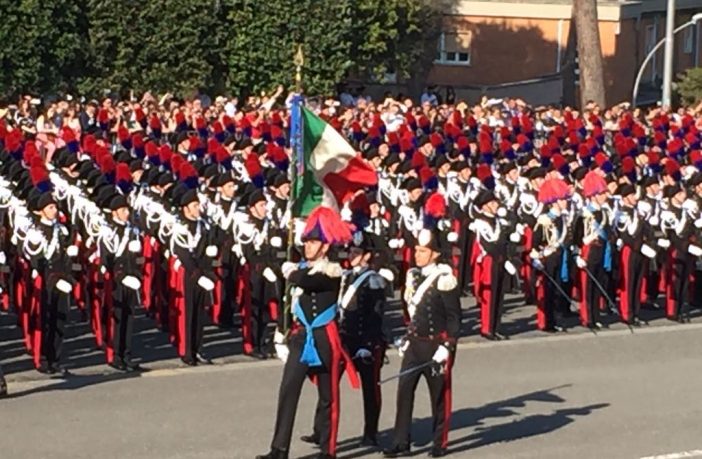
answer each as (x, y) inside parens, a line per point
(680, 455)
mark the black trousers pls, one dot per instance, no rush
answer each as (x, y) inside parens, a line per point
(369, 373)
(418, 353)
(226, 312)
(631, 272)
(123, 324)
(54, 313)
(592, 293)
(195, 300)
(294, 375)
(262, 325)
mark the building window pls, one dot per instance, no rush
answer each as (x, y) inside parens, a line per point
(650, 37)
(688, 39)
(650, 43)
(454, 48)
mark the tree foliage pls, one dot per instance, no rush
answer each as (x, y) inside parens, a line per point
(690, 86)
(240, 46)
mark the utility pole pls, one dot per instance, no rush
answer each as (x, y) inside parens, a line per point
(668, 57)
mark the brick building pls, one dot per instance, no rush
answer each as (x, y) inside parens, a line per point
(528, 49)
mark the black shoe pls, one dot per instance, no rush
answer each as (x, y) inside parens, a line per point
(3, 387)
(397, 451)
(325, 456)
(203, 358)
(274, 454)
(189, 361)
(58, 369)
(132, 365)
(438, 452)
(258, 355)
(502, 337)
(312, 439)
(490, 337)
(369, 440)
(118, 365)
(45, 369)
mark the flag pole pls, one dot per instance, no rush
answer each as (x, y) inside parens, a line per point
(295, 166)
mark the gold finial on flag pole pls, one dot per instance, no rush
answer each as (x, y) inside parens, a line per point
(299, 61)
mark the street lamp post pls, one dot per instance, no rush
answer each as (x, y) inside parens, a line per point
(668, 55)
(697, 17)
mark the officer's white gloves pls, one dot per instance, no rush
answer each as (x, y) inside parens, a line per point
(441, 355)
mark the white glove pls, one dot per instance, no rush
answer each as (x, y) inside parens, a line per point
(134, 246)
(363, 354)
(131, 282)
(654, 221)
(3, 258)
(176, 265)
(346, 214)
(515, 237)
(648, 251)
(663, 243)
(534, 254)
(211, 251)
(71, 251)
(698, 223)
(689, 205)
(282, 352)
(386, 274)
(502, 212)
(269, 275)
(580, 261)
(694, 250)
(620, 244)
(452, 236)
(402, 349)
(64, 286)
(548, 251)
(35, 274)
(644, 207)
(278, 338)
(276, 242)
(206, 283)
(441, 355)
(520, 229)
(288, 268)
(509, 267)
(396, 243)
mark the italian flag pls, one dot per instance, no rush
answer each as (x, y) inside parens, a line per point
(331, 170)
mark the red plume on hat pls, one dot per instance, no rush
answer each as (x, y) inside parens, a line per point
(672, 168)
(221, 154)
(253, 167)
(593, 184)
(435, 206)
(484, 174)
(428, 178)
(485, 146)
(151, 149)
(40, 178)
(187, 174)
(325, 224)
(30, 151)
(165, 153)
(212, 145)
(406, 145)
(107, 164)
(552, 190)
(123, 177)
(176, 162)
(419, 161)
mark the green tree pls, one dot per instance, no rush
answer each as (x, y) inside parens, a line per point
(43, 45)
(690, 86)
(262, 42)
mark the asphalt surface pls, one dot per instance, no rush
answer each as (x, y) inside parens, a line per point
(615, 395)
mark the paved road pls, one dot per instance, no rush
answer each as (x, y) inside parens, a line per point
(577, 395)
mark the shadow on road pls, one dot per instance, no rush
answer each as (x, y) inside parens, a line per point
(484, 435)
